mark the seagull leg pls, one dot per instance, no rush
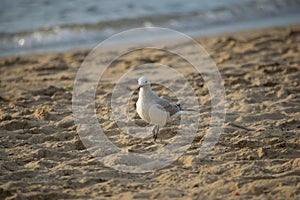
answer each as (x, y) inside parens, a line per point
(155, 131)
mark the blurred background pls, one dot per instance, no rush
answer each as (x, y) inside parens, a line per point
(36, 26)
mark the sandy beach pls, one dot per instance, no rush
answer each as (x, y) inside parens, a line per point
(257, 155)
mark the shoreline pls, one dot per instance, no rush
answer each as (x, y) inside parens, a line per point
(212, 30)
(256, 156)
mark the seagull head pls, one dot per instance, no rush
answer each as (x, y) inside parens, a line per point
(143, 81)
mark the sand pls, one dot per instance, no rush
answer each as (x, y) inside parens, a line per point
(257, 155)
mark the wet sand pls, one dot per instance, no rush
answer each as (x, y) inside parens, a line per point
(257, 155)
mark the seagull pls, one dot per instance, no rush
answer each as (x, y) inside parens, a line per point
(153, 109)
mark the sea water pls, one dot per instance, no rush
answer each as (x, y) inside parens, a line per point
(36, 26)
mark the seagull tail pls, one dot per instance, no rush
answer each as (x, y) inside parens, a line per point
(182, 110)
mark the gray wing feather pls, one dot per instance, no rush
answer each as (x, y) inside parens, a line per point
(168, 106)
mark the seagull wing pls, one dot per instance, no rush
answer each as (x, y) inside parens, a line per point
(167, 106)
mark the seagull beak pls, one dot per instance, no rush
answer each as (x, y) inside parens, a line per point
(140, 86)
